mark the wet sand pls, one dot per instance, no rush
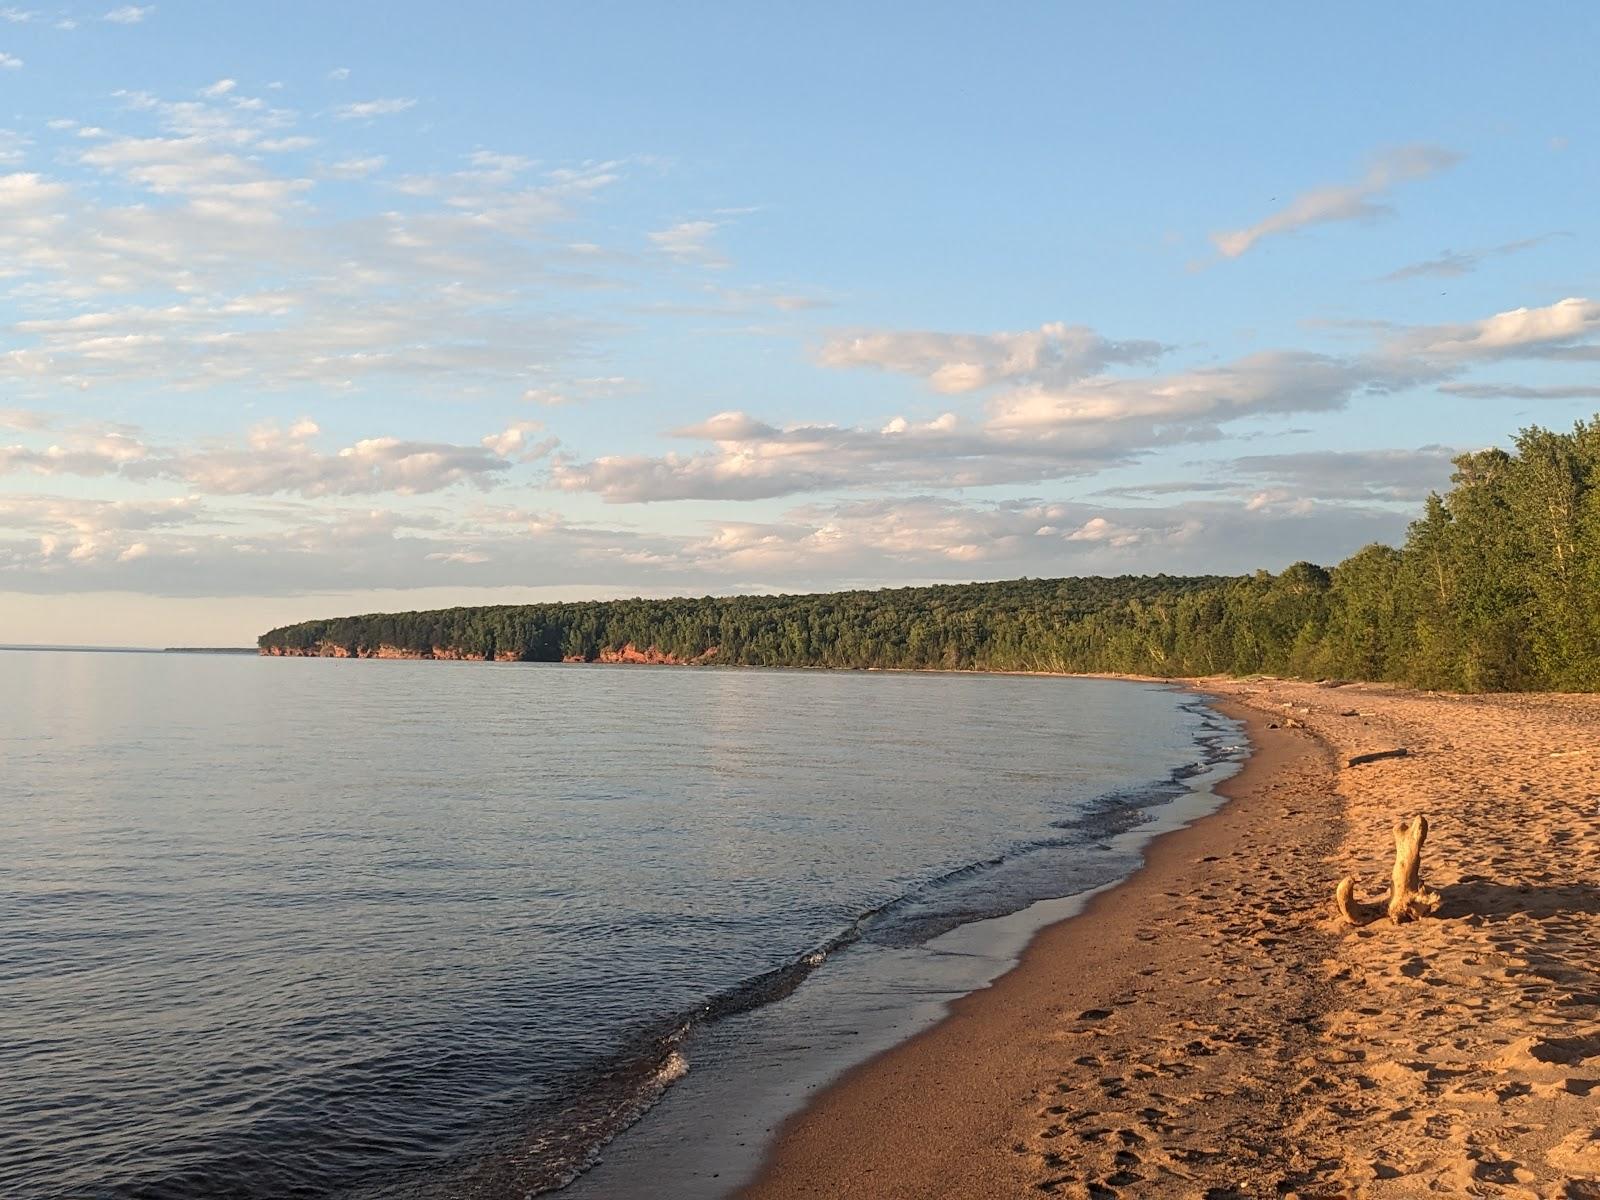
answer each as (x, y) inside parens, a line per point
(1208, 1029)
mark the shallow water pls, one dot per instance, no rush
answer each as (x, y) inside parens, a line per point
(311, 927)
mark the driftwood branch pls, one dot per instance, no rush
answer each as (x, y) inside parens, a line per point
(1409, 898)
(1351, 912)
(1378, 755)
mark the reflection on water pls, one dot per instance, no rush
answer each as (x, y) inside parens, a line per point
(303, 927)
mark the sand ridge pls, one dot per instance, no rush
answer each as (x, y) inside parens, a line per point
(1208, 1028)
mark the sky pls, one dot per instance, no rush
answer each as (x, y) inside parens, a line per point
(309, 310)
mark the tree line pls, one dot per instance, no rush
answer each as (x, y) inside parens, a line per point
(1495, 588)
(1013, 625)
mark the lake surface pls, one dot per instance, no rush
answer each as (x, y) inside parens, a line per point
(300, 927)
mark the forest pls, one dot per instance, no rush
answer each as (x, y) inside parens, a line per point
(1494, 589)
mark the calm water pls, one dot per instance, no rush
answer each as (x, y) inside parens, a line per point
(304, 928)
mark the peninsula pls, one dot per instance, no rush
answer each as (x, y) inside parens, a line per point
(1492, 591)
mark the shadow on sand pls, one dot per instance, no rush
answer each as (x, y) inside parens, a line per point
(1478, 896)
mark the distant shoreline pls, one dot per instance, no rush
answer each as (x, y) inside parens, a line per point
(250, 650)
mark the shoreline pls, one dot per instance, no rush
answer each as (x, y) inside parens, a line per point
(1207, 1027)
(861, 1007)
(837, 1144)
(652, 658)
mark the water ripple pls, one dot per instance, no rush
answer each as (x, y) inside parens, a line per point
(293, 928)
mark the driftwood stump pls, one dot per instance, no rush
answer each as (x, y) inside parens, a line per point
(1408, 897)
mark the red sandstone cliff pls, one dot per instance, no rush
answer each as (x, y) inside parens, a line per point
(628, 653)
(332, 650)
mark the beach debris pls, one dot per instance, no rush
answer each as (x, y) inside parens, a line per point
(1378, 755)
(1409, 898)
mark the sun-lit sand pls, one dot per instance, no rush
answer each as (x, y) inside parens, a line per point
(1210, 1029)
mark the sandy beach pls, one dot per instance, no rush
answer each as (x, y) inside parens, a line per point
(1209, 1029)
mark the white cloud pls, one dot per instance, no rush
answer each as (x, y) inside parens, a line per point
(100, 454)
(220, 88)
(356, 168)
(1363, 200)
(216, 184)
(925, 538)
(494, 160)
(9, 62)
(29, 206)
(1451, 264)
(283, 145)
(1053, 413)
(1186, 405)
(1029, 434)
(61, 534)
(514, 442)
(276, 462)
(339, 74)
(243, 279)
(689, 242)
(24, 420)
(755, 460)
(1517, 391)
(365, 110)
(185, 547)
(129, 14)
(1098, 529)
(1562, 329)
(794, 303)
(963, 362)
(290, 547)
(1353, 475)
(17, 16)
(580, 390)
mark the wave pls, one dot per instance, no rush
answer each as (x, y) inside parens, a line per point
(617, 1094)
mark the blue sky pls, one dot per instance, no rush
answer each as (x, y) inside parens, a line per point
(307, 312)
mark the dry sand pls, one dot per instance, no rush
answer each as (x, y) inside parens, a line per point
(1207, 1029)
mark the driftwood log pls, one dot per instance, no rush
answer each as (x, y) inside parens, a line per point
(1378, 755)
(1409, 898)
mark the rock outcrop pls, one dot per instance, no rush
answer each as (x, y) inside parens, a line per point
(334, 650)
(651, 655)
(627, 653)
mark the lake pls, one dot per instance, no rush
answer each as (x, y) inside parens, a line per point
(302, 927)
